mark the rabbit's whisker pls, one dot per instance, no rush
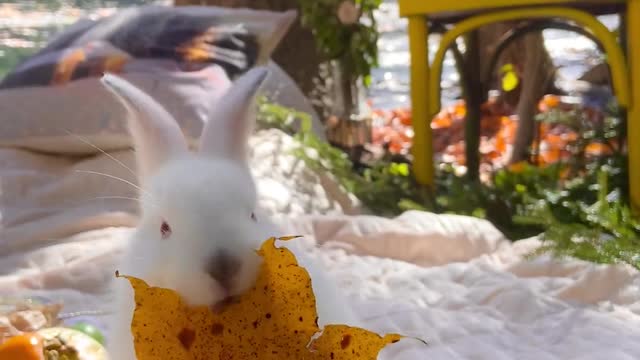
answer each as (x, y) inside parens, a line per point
(115, 198)
(113, 158)
(86, 141)
(115, 178)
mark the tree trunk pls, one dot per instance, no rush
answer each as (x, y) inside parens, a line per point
(474, 95)
(535, 68)
(537, 73)
(297, 53)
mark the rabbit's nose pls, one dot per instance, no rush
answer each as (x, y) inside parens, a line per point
(222, 267)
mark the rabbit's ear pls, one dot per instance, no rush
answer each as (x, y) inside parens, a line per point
(156, 135)
(232, 118)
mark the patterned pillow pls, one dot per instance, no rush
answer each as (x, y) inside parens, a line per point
(192, 36)
(184, 57)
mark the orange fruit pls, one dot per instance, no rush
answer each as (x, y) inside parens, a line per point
(23, 347)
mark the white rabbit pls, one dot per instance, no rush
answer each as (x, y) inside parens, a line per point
(198, 232)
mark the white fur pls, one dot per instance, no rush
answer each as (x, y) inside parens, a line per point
(207, 199)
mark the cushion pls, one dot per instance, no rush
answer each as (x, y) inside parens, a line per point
(54, 102)
(193, 36)
(81, 116)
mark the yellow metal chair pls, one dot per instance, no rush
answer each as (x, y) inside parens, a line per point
(468, 15)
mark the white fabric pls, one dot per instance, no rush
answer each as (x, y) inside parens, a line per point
(452, 281)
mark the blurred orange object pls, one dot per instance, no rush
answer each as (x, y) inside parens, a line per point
(597, 149)
(404, 115)
(27, 346)
(460, 109)
(564, 173)
(551, 101)
(395, 147)
(550, 156)
(518, 167)
(441, 121)
(569, 136)
(498, 128)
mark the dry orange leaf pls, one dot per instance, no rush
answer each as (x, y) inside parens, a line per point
(276, 319)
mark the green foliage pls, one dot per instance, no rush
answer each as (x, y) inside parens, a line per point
(610, 132)
(354, 44)
(503, 202)
(271, 115)
(585, 217)
(10, 57)
(603, 232)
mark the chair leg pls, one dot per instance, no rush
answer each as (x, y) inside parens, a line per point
(633, 115)
(422, 139)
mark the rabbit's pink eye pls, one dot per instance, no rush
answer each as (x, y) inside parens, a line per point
(253, 217)
(165, 230)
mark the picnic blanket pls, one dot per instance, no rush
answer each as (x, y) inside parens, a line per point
(452, 281)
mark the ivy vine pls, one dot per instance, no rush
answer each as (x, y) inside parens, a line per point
(345, 30)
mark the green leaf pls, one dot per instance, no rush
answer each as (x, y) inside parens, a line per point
(479, 213)
(506, 68)
(399, 169)
(510, 81)
(366, 80)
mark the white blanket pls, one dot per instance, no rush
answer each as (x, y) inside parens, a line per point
(452, 281)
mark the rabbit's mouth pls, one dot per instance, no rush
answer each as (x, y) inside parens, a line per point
(224, 303)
